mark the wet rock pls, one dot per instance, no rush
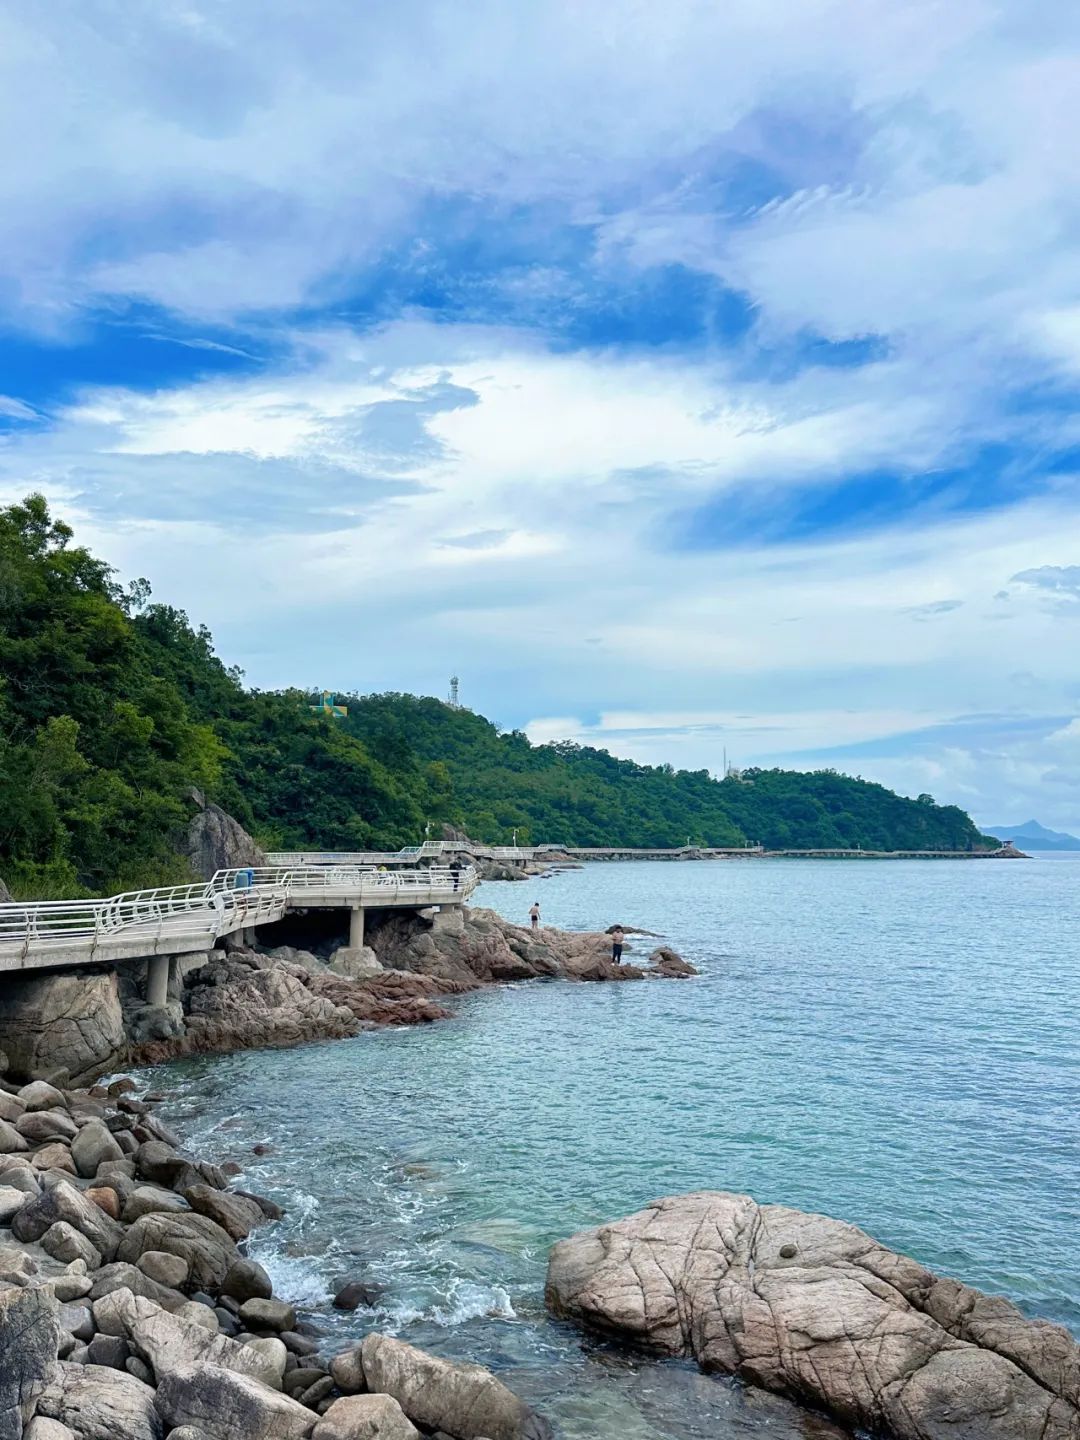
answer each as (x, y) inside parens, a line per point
(101, 1404)
(365, 1417)
(247, 1280)
(465, 1400)
(315, 1394)
(862, 1332)
(225, 1406)
(236, 1214)
(268, 1315)
(209, 1252)
(29, 1337)
(64, 1202)
(94, 1146)
(356, 1293)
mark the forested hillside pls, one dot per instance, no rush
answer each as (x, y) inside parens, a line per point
(112, 707)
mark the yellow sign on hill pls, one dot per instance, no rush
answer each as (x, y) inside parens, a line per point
(328, 706)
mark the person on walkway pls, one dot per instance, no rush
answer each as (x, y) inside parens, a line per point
(534, 914)
(455, 871)
(617, 938)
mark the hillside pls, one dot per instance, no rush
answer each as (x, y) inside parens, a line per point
(1033, 836)
(112, 707)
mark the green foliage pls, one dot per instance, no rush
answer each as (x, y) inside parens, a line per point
(112, 707)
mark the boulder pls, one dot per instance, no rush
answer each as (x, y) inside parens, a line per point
(268, 1315)
(93, 1146)
(11, 1107)
(355, 962)
(11, 1142)
(465, 1400)
(11, 1202)
(54, 1156)
(171, 1342)
(100, 1403)
(39, 1126)
(273, 1352)
(348, 1370)
(66, 1021)
(144, 1022)
(63, 1242)
(365, 1417)
(122, 1276)
(64, 1202)
(247, 1280)
(236, 1214)
(355, 1293)
(227, 1406)
(105, 1198)
(166, 1269)
(151, 1200)
(215, 841)
(208, 1250)
(40, 1095)
(29, 1337)
(815, 1309)
(41, 1428)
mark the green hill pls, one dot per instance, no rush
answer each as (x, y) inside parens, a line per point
(112, 707)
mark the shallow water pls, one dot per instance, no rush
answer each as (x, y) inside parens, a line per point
(891, 1043)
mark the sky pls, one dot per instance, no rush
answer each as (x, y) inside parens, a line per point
(686, 378)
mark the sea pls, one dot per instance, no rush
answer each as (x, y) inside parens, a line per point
(893, 1043)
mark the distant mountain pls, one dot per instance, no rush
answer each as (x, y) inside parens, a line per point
(1034, 836)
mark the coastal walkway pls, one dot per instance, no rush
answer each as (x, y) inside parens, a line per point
(182, 919)
(433, 850)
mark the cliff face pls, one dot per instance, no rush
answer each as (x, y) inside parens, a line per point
(50, 1023)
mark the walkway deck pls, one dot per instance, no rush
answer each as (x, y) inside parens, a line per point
(438, 849)
(185, 918)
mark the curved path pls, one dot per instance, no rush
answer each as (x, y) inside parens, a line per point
(181, 919)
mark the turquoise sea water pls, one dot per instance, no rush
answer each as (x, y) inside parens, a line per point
(895, 1044)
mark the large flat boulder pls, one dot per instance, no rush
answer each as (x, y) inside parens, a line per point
(225, 1406)
(97, 1402)
(365, 1417)
(464, 1400)
(169, 1342)
(819, 1311)
(29, 1335)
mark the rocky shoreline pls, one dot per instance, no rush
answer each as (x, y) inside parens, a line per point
(129, 1311)
(128, 1308)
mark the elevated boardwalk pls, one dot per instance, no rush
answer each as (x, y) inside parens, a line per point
(181, 919)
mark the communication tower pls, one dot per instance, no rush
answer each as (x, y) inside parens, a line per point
(454, 692)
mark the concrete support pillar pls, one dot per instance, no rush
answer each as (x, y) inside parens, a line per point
(356, 927)
(157, 979)
(248, 936)
(450, 918)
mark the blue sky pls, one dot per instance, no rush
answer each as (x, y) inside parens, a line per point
(682, 376)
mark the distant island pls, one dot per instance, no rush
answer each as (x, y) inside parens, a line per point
(1033, 836)
(114, 709)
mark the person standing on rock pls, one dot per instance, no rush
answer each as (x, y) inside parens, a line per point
(617, 937)
(534, 914)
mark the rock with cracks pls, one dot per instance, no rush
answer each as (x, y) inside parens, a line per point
(817, 1310)
(29, 1335)
(99, 1403)
(464, 1400)
(227, 1406)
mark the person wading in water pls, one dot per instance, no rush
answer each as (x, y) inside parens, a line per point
(534, 914)
(617, 938)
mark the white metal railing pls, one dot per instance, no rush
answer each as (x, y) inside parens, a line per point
(232, 900)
